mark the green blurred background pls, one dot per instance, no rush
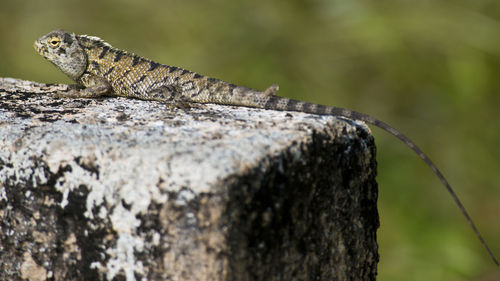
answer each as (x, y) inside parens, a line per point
(429, 68)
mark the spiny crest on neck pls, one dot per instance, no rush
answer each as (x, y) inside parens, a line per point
(90, 42)
(94, 39)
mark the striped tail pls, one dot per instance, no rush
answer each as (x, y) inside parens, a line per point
(280, 103)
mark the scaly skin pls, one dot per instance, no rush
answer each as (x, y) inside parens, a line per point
(104, 70)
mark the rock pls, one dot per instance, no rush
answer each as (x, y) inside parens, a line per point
(123, 189)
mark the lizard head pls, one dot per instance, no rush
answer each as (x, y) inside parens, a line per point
(63, 50)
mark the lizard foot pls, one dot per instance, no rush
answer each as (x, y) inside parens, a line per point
(271, 90)
(71, 92)
(181, 104)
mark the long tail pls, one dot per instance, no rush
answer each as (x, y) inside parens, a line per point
(280, 103)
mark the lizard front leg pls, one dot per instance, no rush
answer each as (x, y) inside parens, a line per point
(94, 87)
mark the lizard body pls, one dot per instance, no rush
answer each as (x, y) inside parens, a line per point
(106, 71)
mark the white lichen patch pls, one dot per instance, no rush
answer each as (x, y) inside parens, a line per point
(123, 257)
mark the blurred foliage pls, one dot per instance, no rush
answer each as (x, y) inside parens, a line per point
(430, 68)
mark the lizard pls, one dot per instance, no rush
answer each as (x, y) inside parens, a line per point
(102, 70)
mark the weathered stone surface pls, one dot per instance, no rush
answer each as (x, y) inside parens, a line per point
(120, 189)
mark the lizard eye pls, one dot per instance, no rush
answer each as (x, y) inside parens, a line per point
(54, 42)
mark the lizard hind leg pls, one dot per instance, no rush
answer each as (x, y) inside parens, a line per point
(271, 90)
(171, 95)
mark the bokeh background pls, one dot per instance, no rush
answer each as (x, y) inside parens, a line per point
(429, 68)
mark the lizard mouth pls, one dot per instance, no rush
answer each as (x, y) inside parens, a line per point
(40, 48)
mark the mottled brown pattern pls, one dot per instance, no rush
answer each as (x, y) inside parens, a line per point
(104, 70)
